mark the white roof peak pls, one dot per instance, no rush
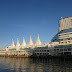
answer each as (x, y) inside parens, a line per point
(30, 42)
(18, 44)
(38, 42)
(13, 45)
(24, 43)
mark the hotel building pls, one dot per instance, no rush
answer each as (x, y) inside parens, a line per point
(64, 37)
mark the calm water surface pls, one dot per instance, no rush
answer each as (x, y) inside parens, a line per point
(34, 65)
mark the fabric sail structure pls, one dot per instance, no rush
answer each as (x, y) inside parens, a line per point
(38, 42)
(24, 43)
(12, 45)
(18, 44)
(30, 42)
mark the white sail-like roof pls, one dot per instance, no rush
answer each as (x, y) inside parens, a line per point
(30, 42)
(13, 45)
(24, 43)
(18, 44)
(38, 42)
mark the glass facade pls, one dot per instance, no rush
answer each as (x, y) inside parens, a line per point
(60, 36)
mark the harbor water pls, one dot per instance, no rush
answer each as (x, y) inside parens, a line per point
(34, 65)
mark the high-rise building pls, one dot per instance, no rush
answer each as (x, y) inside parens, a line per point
(65, 23)
(64, 30)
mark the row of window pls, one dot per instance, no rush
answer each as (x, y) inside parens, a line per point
(65, 39)
(40, 53)
(65, 34)
(62, 49)
(62, 39)
(41, 50)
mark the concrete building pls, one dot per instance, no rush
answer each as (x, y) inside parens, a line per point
(65, 23)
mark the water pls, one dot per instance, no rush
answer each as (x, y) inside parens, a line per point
(34, 65)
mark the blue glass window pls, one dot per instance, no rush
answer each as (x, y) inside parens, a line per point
(65, 34)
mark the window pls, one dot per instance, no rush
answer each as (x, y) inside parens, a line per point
(44, 50)
(54, 49)
(62, 42)
(69, 49)
(69, 41)
(62, 30)
(47, 50)
(40, 50)
(35, 50)
(65, 34)
(47, 53)
(68, 38)
(59, 35)
(57, 49)
(37, 53)
(61, 49)
(65, 49)
(65, 42)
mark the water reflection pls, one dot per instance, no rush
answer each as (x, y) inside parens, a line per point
(34, 65)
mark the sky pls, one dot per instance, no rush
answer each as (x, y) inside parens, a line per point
(22, 18)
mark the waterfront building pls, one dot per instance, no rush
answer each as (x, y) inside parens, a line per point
(63, 37)
(61, 43)
(64, 30)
